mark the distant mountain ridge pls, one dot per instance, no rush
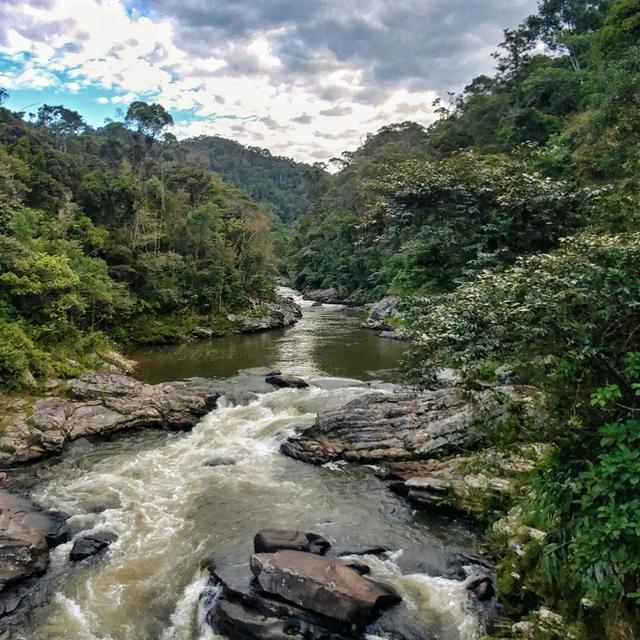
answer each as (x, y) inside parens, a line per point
(285, 186)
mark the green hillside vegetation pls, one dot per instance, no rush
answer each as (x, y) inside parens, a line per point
(512, 228)
(287, 188)
(107, 234)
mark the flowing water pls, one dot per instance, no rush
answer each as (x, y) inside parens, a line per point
(173, 513)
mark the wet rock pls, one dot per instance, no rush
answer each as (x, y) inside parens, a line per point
(316, 304)
(102, 404)
(404, 426)
(358, 567)
(321, 585)
(27, 532)
(237, 398)
(482, 589)
(367, 551)
(273, 540)
(263, 611)
(220, 461)
(285, 381)
(91, 544)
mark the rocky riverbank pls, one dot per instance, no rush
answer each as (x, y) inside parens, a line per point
(428, 447)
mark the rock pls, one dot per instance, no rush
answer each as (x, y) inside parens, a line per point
(506, 375)
(464, 484)
(322, 585)
(261, 372)
(202, 333)
(91, 544)
(330, 384)
(326, 296)
(51, 384)
(121, 363)
(316, 304)
(358, 567)
(27, 532)
(220, 461)
(263, 612)
(367, 551)
(376, 325)
(384, 308)
(239, 623)
(282, 312)
(405, 426)
(482, 589)
(272, 540)
(237, 398)
(102, 404)
(284, 381)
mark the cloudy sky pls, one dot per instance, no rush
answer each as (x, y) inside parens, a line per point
(304, 78)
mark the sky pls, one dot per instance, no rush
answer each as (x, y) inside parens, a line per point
(306, 79)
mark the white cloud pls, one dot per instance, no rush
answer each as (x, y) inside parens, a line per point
(251, 79)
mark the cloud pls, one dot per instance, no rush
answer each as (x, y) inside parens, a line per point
(260, 72)
(305, 118)
(337, 111)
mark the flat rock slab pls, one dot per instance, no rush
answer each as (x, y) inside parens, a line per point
(101, 404)
(284, 381)
(380, 427)
(323, 585)
(273, 540)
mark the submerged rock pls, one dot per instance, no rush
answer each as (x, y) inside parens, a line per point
(272, 540)
(403, 426)
(102, 404)
(323, 585)
(285, 381)
(91, 544)
(220, 461)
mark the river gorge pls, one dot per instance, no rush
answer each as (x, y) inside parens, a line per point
(179, 502)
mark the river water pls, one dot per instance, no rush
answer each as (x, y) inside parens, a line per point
(173, 513)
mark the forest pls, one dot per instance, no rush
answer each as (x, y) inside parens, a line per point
(510, 229)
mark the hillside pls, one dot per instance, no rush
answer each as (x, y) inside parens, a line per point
(108, 234)
(284, 186)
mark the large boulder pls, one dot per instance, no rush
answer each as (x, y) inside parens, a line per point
(272, 540)
(404, 426)
(322, 585)
(27, 532)
(245, 611)
(101, 404)
(279, 313)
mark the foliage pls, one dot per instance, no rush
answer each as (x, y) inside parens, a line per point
(99, 227)
(287, 188)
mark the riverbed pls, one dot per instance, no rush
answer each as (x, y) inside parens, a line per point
(173, 513)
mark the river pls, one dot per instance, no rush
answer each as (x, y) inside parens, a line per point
(172, 512)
